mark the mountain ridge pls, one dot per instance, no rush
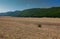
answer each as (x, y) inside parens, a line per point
(35, 12)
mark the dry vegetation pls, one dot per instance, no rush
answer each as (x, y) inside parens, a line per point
(29, 28)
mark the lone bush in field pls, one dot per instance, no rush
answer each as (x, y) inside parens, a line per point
(39, 25)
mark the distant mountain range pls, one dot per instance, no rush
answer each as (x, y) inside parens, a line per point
(35, 12)
(15, 13)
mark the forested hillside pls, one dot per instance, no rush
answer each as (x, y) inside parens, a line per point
(41, 12)
(36, 12)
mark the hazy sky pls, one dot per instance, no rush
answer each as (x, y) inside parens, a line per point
(12, 5)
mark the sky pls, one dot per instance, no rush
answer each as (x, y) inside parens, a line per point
(12, 5)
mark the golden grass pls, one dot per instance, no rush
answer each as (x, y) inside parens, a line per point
(27, 28)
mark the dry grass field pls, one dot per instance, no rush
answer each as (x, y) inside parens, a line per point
(28, 28)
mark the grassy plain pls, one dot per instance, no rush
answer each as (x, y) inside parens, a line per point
(28, 28)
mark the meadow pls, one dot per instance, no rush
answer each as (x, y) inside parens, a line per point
(28, 28)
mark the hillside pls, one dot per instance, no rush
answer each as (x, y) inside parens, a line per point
(41, 12)
(35, 12)
(11, 13)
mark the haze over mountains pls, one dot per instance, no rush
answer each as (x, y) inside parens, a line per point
(35, 12)
(11, 13)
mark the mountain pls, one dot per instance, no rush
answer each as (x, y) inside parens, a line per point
(41, 12)
(15, 13)
(35, 12)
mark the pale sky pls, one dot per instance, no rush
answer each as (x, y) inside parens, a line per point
(12, 5)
